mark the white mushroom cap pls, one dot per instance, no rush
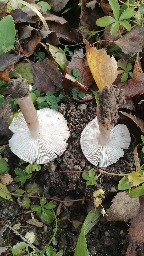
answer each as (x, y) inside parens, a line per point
(43, 146)
(109, 152)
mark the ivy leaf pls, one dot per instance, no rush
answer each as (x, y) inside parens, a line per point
(4, 193)
(115, 8)
(124, 184)
(7, 34)
(105, 21)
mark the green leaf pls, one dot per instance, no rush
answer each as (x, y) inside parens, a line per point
(91, 219)
(36, 208)
(59, 56)
(124, 77)
(49, 251)
(26, 202)
(105, 21)
(19, 249)
(126, 24)
(48, 216)
(114, 28)
(43, 201)
(44, 6)
(7, 34)
(4, 193)
(49, 206)
(136, 192)
(23, 69)
(142, 138)
(127, 14)
(124, 184)
(3, 166)
(115, 8)
(60, 253)
(21, 175)
(1, 99)
(129, 66)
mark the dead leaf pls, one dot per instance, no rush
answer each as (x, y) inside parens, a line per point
(19, 16)
(138, 74)
(78, 62)
(7, 61)
(136, 120)
(102, 66)
(35, 222)
(3, 249)
(46, 75)
(55, 18)
(133, 41)
(58, 5)
(65, 32)
(133, 88)
(30, 44)
(70, 80)
(5, 113)
(136, 233)
(6, 179)
(123, 207)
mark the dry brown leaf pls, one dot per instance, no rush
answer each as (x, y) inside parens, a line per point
(133, 88)
(123, 207)
(133, 41)
(78, 62)
(65, 32)
(136, 120)
(46, 75)
(71, 81)
(19, 16)
(3, 249)
(7, 62)
(58, 5)
(35, 222)
(30, 44)
(6, 179)
(5, 113)
(102, 66)
(136, 233)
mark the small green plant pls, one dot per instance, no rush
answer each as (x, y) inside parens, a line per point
(121, 17)
(134, 181)
(21, 175)
(126, 71)
(3, 166)
(40, 56)
(76, 93)
(47, 100)
(44, 210)
(90, 177)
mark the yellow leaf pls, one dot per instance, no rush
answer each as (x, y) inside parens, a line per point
(102, 66)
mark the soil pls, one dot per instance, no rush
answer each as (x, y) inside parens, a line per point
(61, 180)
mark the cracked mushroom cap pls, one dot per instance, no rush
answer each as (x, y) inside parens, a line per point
(109, 152)
(44, 146)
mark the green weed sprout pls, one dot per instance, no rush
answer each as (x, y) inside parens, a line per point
(121, 18)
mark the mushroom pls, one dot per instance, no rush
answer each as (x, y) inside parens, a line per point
(101, 141)
(39, 135)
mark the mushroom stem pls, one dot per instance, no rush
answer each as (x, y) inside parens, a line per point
(104, 135)
(29, 112)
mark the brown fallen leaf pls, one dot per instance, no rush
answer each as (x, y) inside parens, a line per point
(3, 249)
(7, 61)
(6, 179)
(5, 113)
(139, 122)
(46, 75)
(133, 41)
(35, 222)
(123, 208)
(65, 32)
(71, 81)
(136, 233)
(79, 63)
(30, 44)
(19, 16)
(102, 66)
(58, 5)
